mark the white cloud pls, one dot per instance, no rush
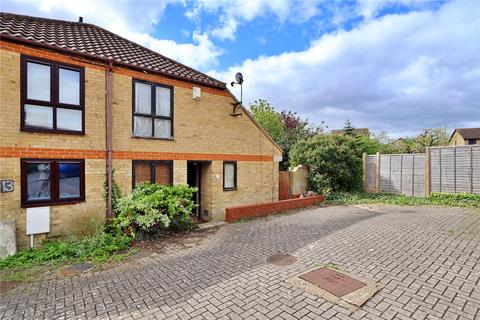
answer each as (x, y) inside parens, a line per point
(399, 73)
(232, 13)
(370, 8)
(133, 21)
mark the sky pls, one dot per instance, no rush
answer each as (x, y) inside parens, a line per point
(395, 65)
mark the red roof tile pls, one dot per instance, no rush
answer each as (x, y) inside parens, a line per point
(96, 42)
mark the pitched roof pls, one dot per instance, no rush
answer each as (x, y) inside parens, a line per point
(468, 133)
(95, 42)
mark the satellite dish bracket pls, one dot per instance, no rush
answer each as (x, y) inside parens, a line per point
(236, 105)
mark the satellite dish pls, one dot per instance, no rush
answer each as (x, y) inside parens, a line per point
(239, 78)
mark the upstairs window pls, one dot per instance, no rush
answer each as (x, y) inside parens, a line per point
(52, 96)
(152, 110)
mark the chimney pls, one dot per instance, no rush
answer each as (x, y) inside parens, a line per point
(80, 19)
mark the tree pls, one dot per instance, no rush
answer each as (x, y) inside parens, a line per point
(335, 162)
(268, 118)
(432, 137)
(349, 128)
(286, 128)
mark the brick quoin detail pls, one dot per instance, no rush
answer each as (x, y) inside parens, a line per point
(25, 152)
(264, 209)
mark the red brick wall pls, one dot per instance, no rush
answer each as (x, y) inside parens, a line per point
(264, 209)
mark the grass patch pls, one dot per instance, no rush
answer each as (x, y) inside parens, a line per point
(98, 248)
(442, 199)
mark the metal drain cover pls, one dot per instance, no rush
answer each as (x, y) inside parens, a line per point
(76, 268)
(281, 259)
(333, 281)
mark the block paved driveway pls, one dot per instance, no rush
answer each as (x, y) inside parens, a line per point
(427, 259)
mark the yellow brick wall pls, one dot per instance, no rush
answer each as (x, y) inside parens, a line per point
(11, 135)
(65, 219)
(202, 126)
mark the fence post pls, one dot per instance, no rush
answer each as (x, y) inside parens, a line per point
(364, 166)
(377, 173)
(427, 171)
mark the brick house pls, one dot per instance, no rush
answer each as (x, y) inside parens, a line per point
(76, 97)
(465, 136)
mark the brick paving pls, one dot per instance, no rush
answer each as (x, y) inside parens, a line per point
(427, 259)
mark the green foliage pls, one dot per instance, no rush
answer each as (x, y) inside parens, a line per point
(367, 144)
(445, 199)
(268, 118)
(416, 144)
(335, 162)
(285, 128)
(152, 208)
(97, 248)
(116, 192)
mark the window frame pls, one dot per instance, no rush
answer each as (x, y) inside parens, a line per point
(152, 115)
(54, 183)
(235, 173)
(472, 142)
(54, 102)
(153, 172)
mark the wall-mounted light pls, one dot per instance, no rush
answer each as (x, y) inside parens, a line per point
(197, 92)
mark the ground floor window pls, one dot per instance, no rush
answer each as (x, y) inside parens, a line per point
(229, 175)
(52, 181)
(160, 172)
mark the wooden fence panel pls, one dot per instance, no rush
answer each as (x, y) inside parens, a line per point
(463, 169)
(283, 185)
(452, 170)
(475, 174)
(371, 173)
(419, 175)
(385, 179)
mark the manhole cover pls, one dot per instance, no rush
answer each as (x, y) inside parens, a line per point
(76, 268)
(333, 281)
(281, 259)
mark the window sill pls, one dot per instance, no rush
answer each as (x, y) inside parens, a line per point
(50, 204)
(230, 189)
(153, 138)
(50, 131)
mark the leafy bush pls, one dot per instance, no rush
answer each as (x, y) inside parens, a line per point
(458, 199)
(155, 208)
(445, 199)
(335, 162)
(97, 248)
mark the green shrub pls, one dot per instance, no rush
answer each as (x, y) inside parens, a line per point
(444, 199)
(456, 199)
(97, 248)
(335, 162)
(153, 208)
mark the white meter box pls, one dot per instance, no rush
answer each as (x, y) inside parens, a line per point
(38, 220)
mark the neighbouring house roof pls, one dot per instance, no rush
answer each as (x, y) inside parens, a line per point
(363, 131)
(97, 43)
(467, 133)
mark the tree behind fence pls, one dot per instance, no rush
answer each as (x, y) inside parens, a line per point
(440, 169)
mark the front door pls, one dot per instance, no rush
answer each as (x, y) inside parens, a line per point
(193, 180)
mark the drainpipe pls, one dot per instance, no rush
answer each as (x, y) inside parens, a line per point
(109, 139)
